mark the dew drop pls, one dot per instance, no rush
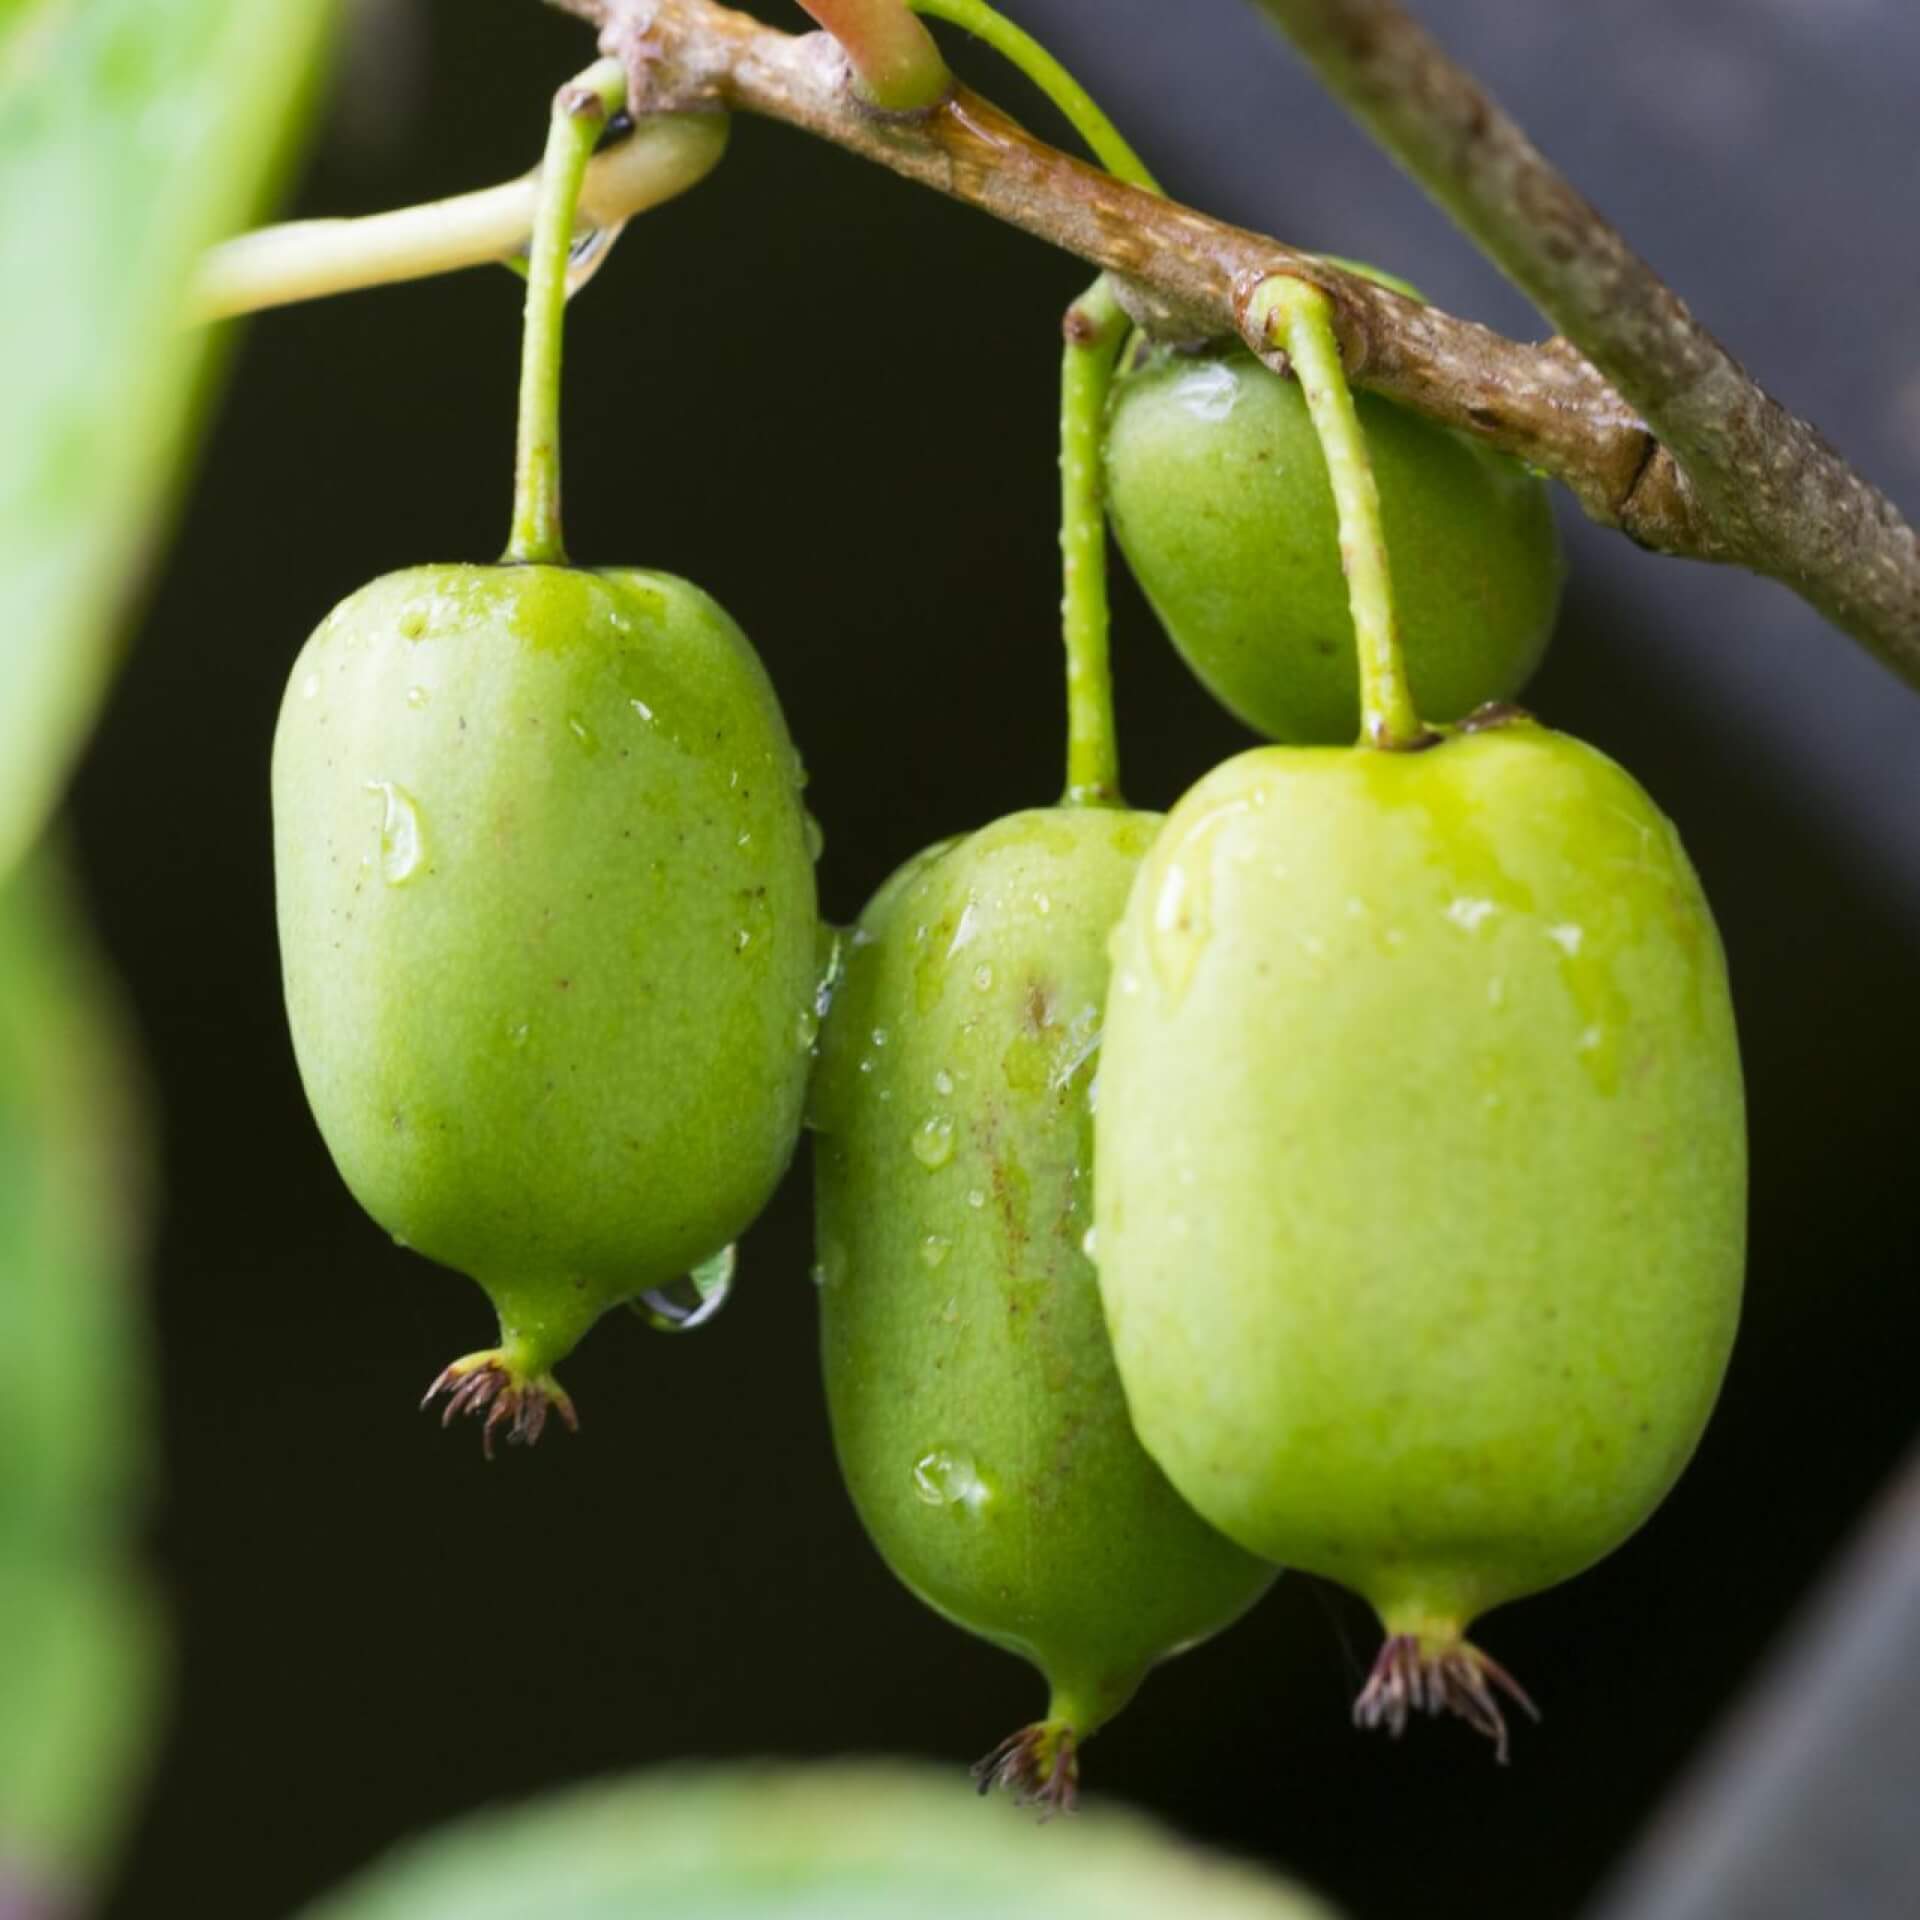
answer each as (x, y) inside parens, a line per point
(309, 686)
(807, 1029)
(518, 1033)
(816, 836)
(400, 841)
(943, 1082)
(588, 739)
(983, 977)
(976, 1199)
(934, 1249)
(933, 1142)
(948, 1477)
(879, 1036)
(417, 696)
(1088, 1241)
(681, 1305)
(643, 710)
(588, 254)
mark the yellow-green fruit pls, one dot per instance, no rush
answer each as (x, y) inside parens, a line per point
(977, 1417)
(547, 925)
(1219, 497)
(1421, 1173)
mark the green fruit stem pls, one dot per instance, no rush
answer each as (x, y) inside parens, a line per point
(897, 67)
(1095, 327)
(580, 113)
(1077, 106)
(1299, 318)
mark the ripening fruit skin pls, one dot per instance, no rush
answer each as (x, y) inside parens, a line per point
(976, 1414)
(547, 926)
(1219, 498)
(1421, 1171)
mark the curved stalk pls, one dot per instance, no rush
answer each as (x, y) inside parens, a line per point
(580, 113)
(897, 67)
(309, 259)
(1298, 318)
(1076, 105)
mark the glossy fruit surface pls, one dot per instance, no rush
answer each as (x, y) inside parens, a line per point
(1421, 1163)
(1219, 497)
(547, 926)
(976, 1413)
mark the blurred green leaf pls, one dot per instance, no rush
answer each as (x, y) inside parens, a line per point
(80, 1675)
(871, 1842)
(132, 134)
(78, 1652)
(73, 1193)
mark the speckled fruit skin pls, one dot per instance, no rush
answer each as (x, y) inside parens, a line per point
(1218, 495)
(547, 925)
(976, 1413)
(1421, 1163)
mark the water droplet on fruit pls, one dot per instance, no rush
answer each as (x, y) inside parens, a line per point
(519, 1033)
(983, 978)
(943, 1082)
(879, 1036)
(807, 1029)
(744, 838)
(400, 839)
(1567, 938)
(968, 929)
(1209, 393)
(833, 970)
(948, 1477)
(816, 836)
(689, 1302)
(588, 253)
(309, 686)
(935, 1248)
(1470, 913)
(588, 739)
(417, 696)
(933, 1142)
(976, 1198)
(642, 709)
(1088, 1241)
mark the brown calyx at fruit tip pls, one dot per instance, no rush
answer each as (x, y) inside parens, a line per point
(1039, 1766)
(520, 1406)
(1456, 1677)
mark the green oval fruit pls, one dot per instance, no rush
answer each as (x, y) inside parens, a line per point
(1219, 497)
(547, 925)
(976, 1413)
(1421, 1173)
(843, 1842)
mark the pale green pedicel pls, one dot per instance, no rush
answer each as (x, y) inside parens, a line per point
(976, 1413)
(1421, 1164)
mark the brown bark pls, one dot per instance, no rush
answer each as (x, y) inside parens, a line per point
(1725, 473)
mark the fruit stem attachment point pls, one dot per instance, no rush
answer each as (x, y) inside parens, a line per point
(897, 66)
(581, 110)
(1075, 104)
(1095, 327)
(1297, 317)
(1415, 1672)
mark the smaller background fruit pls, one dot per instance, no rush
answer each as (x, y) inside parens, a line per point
(1219, 497)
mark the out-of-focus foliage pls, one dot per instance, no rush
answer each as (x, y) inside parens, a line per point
(132, 133)
(78, 1667)
(826, 1843)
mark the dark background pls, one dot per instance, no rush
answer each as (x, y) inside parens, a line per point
(829, 398)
